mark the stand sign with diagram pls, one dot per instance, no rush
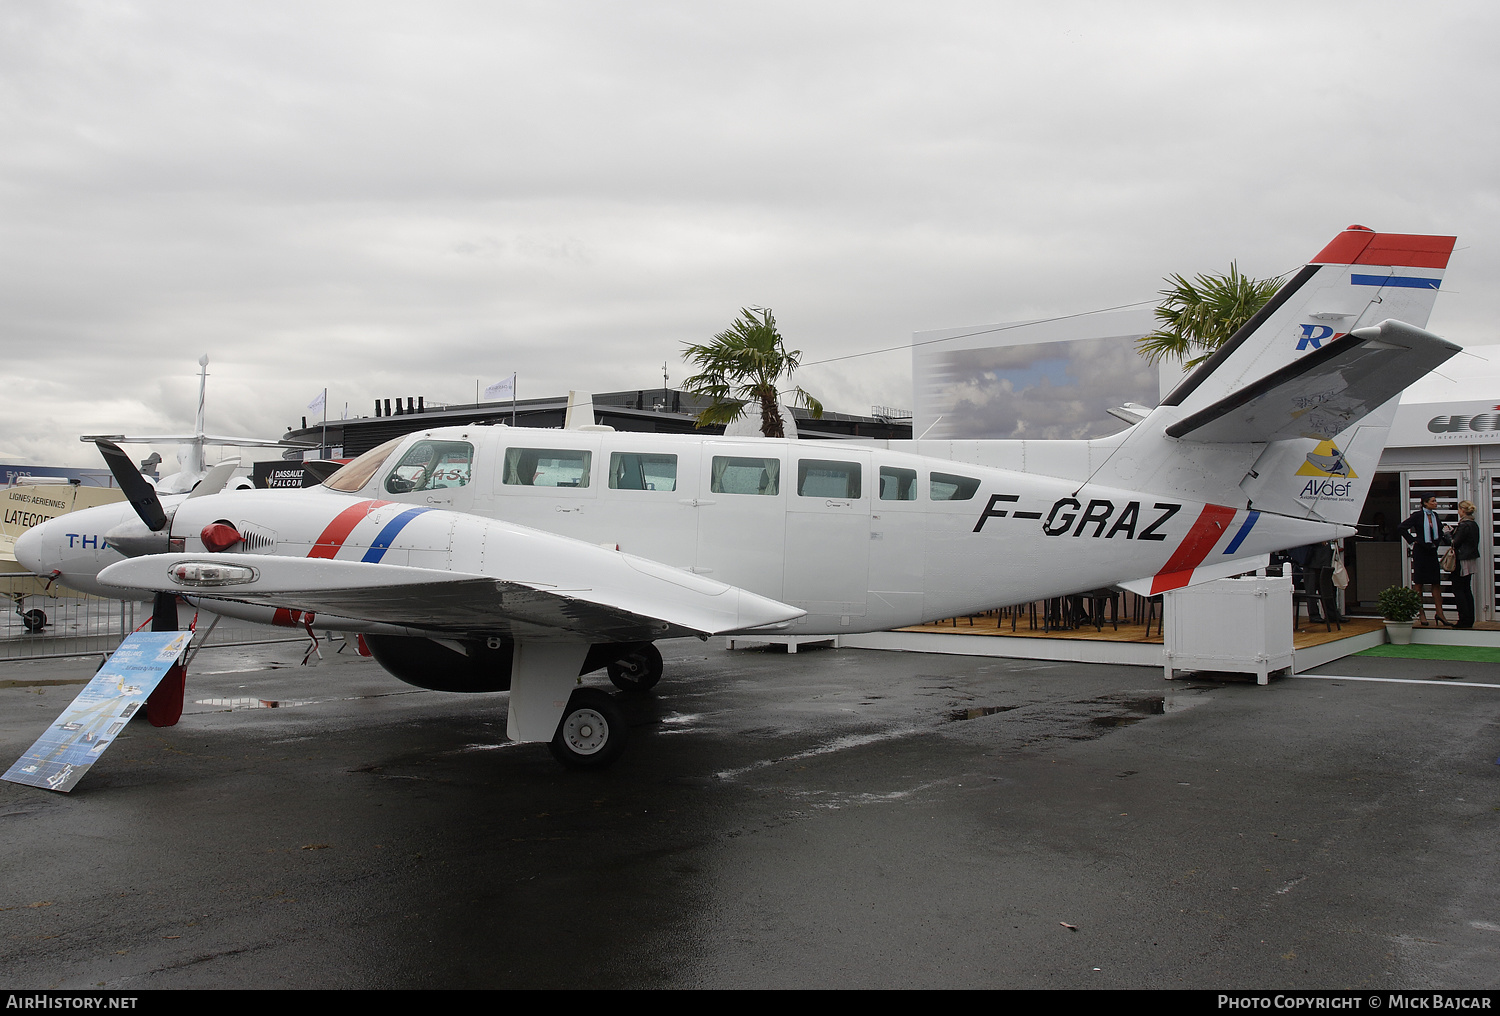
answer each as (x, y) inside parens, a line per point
(60, 757)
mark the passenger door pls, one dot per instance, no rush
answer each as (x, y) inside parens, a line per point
(828, 532)
(741, 508)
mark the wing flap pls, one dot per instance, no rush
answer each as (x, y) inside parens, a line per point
(1323, 393)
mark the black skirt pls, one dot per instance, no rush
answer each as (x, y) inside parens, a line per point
(1424, 565)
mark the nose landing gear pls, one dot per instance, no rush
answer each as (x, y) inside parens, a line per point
(32, 620)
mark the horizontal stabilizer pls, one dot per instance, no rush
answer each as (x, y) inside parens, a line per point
(1323, 393)
(655, 602)
(213, 439)
(1153, 584)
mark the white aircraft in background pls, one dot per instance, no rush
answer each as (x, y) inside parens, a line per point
(191, 458)
(492, 558)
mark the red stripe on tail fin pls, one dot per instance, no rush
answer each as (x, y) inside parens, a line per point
(1195, 546)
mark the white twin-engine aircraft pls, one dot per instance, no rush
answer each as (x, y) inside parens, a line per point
(492, 558)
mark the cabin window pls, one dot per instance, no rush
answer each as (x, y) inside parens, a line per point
(947, 487)
(637, 471)
(745, 476)
(431, 465)
(898, 484)
(821, 478)
(354, 475)
(547, 467)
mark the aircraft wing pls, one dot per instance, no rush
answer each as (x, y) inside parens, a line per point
(629, 599)
(1323, 392)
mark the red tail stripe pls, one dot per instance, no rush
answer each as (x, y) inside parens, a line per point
(1206, 532)
(1397, 250)
(343, 524)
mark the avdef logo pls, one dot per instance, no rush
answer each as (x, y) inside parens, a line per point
(1327, 460)
(1331, 473)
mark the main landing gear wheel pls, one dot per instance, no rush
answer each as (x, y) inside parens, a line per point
(33, 620)
(637, 671)
(592, 732)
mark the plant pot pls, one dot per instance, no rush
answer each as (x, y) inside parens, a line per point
(1399, 632)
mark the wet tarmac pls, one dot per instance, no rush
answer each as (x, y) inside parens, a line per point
(835, 818)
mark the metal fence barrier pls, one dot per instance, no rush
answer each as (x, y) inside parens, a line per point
(39, 624)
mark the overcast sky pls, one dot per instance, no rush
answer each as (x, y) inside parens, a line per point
(397, 199)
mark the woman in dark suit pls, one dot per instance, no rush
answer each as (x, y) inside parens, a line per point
(1466, 551)
(1423, 530)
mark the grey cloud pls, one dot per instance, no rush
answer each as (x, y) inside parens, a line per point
(395, 199)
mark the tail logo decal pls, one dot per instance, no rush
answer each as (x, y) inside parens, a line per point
(1195, 546)
(1327, 460)
(1313, 336)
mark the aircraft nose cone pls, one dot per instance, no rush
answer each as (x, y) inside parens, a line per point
(31, 549)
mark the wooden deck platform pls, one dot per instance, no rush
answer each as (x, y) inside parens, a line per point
(1304, 637)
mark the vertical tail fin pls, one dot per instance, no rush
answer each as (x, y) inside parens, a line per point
(1361, 278)
(1291, 413)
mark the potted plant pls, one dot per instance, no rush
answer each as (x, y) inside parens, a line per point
(1399, 605)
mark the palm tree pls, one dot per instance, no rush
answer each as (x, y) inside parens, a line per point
(1200, 315)
(742, 366)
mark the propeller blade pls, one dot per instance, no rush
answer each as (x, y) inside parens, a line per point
(216, 478)
(140, 494)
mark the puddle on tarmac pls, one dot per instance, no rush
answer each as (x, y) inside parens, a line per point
(1122, 711)
(1115, 721)
(978, 711)
(254, 703)
(1137, 709)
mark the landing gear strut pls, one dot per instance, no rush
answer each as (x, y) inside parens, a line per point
(33, 620)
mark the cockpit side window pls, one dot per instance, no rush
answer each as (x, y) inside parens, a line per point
(431, 465)
(354, 475)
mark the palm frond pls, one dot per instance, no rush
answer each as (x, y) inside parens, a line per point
(741, 366)
(1200, 315)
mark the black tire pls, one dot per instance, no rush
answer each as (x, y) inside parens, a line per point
(591, 733)
(637, 671)
(34, 620)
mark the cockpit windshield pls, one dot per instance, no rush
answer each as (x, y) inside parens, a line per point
(354, 475)
(431, 465)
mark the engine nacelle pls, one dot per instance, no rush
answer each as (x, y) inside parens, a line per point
(483, 666)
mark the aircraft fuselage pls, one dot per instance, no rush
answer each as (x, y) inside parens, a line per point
(862, 538)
